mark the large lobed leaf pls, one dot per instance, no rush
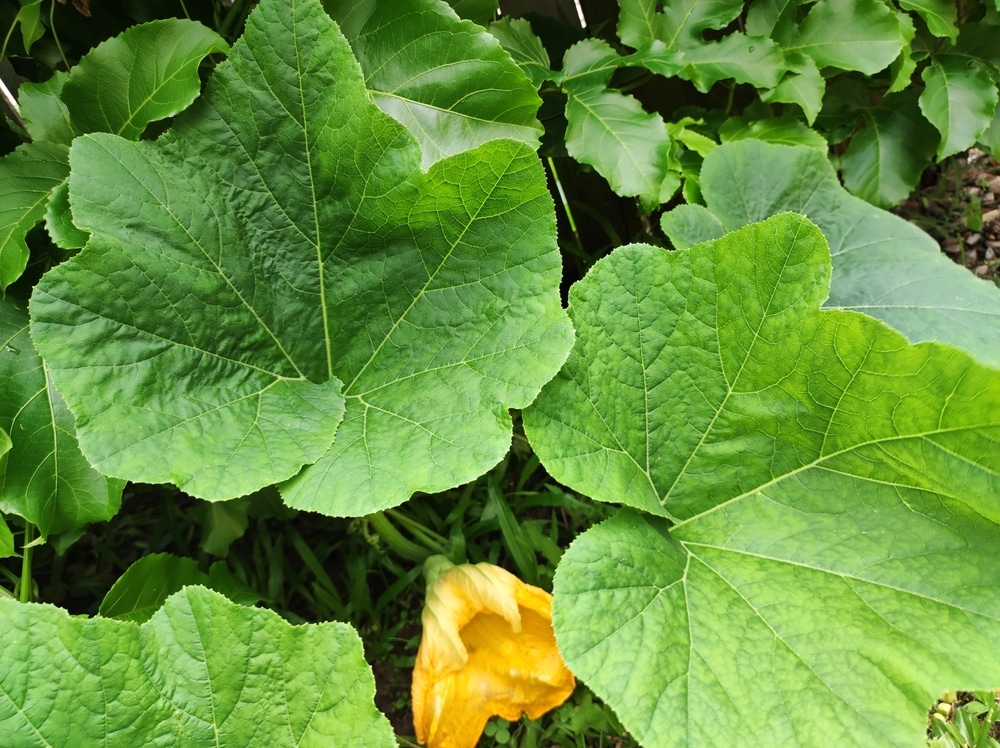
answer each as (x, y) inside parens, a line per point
(833, 492)
(882, 265)
(201, 672)
(282, 240)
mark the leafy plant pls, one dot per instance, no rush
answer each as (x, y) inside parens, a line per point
(332, 275)
(891, 84)
(965, 725)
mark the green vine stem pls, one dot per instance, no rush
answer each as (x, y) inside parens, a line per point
(25, 586)
(395, 540)
(55, 36)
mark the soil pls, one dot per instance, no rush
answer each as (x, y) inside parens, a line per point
(959, 205)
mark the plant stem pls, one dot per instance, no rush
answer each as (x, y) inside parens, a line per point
(394, 538)
(55, 36)
(29, 536)
(430, 539)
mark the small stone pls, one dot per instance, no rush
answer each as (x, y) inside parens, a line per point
(993, 244)
(991, 215)
(951, 245)
(982, 270)
(973, 190)
(972, 239)
(989, 254)
(994, 184)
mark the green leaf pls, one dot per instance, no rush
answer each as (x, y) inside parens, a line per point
(784, 130)
(223, 523)
(959, 100)
(885, 160)
(610, 130)
(882, 265)
(526, 49)
(283, 255)
(27, 177)
(744, 59)
(30, 20)
(802, 84)
(679, 24)
(766, 641)
(939, 15)
(59, 220)
(145, 74)
(5, 442)
(863, 35)
(773, 18)
(6, 536)
(990, 139)
(687, 225)
(479, 11)
(833, 488)
(448, 81)
(44, 478)
(201, 672)
(45, 114)
(902, 68)
(146, 585)
(670, 41)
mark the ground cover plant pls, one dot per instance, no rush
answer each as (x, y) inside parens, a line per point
(284, 307)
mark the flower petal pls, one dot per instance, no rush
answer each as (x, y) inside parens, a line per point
(488, 649)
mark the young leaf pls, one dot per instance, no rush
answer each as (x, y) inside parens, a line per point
(201, 672)
(45, 478)
(448, 81)
(959, 100)
(833, 491)
(282, 238)
(147, 73)
(882, 265)
(862, 35)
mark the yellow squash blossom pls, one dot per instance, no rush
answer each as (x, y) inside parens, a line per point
(487, 649)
